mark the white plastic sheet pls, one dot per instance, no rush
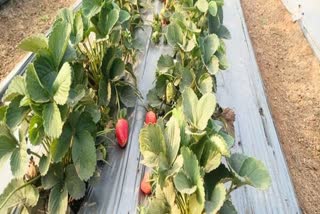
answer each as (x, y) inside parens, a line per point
(308, 14)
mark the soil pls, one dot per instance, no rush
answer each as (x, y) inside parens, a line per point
(19, 19)
(291, 75)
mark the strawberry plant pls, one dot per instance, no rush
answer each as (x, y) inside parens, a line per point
(63, 102)
(190, 148)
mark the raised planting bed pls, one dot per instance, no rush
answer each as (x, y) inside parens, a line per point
(188, 147)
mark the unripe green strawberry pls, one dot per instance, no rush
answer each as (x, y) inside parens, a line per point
(122, 130)
(151, 118)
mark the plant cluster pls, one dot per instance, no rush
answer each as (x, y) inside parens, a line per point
(189, 148)
(81, 79)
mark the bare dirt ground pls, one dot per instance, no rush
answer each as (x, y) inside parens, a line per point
(19, 19)
(291, 75)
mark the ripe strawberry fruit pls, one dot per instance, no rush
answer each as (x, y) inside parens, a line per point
(145, 185)
(122, 129)
(151, 118)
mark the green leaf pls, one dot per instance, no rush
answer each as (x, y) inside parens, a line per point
(19, 160)
(165, 63)
(77, 30)
(187, 79)
(172, 139)
(107, 20)
(34, 43)
(26, 196)
(220, 144)
(198, 112)
(190, 165)
(117, 69)
(7, 146)
(58, 199)
(217, 199)
(205, 83)
(44, 164)
(36, 130)
(152, 143)
(250, 171)
(66, 14)
(127, 95)
(223, 32)
(153, 99)
(195, 206)
(157, 206)
(34, 87)
(58, 41)
(228, 208)
(52, 122)
(75, 186)
(59, 147)
(17, 87)
(208, 46)
(211, 179)
(183, 184)
(123, 16)
(104, 92)
(174, 34)
(85, 123)
(91, 7)
(3, 111)
(53, 176)
(213, 65)
(84, 154)
(62, 83)
(202, 5)
(213, 8)
(16, 114)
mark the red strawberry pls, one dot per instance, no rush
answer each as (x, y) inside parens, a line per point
(122, 128)
(151, 118)
(145, 185)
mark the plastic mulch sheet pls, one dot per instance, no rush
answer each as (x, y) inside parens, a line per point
(308, 14)
(117, 190)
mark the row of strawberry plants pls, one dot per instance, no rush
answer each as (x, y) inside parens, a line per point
(81, 81)
(188, 149)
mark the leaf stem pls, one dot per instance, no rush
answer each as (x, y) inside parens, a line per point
(17, 189)
(33, 153)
